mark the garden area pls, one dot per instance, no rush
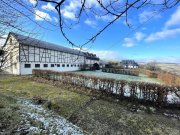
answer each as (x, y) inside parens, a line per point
(33, 103)
(87, 102)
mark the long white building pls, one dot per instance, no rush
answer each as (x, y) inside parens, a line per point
(23, 54)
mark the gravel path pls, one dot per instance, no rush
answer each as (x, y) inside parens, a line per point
(37, 120)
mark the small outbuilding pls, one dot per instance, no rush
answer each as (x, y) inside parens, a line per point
(131, 64)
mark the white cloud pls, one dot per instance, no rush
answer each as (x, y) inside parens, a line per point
(90, 3)
(107, 55)
(33, 2)
(90, 23)
(128, 42)
(167, 33)
(72, 7)
(69, 15)
(174, 19)
(40, 16)
(145, 15)
(102, 54)
(48, 7)
(139, 36)
(69, 11)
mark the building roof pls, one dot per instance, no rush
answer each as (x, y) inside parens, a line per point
(26, 40)
(128, 62)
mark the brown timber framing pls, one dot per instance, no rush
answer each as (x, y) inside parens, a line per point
(22, 49)
(34, 54)
(45, 55)
(39, 54)
(31, 50)
(28, 53)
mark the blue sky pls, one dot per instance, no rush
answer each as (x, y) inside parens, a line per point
(148, 39)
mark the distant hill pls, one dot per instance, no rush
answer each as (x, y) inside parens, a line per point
(170, 67)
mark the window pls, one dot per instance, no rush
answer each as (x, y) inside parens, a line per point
(27, 65)
(71, 65)
(58, 65)
(45, 65)
(75, 65)
(52, 65)
(37, 65)
(63, 65)
(67, 65)
(78, 65)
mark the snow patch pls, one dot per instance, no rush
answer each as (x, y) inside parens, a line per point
(36, 119)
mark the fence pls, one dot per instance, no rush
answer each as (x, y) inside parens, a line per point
(121, 71)
(160, 95)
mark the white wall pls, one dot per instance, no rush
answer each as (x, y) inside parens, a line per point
(37, 56)
(34, 55)
(11, 64)
(25, 71)
(88, 61)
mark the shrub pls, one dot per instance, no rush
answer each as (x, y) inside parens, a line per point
(146, 92)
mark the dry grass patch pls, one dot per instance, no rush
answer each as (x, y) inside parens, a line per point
(97, 117)
(9, 117)
(115, 118)
(63, 101)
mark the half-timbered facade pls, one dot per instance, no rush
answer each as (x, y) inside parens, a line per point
(25, 53)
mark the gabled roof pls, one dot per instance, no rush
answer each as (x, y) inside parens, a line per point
(128, 62)
(26, 40)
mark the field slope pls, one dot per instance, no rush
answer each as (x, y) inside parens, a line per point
(83, 108)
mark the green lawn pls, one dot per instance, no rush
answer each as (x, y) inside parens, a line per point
(97, 117)
(99, 73)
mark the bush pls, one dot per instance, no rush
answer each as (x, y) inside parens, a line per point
(146, 92)
(121, 71)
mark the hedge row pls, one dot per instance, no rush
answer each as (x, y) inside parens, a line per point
(121, 71)
(147, 92)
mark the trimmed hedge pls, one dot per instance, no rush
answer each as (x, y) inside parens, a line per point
(121, 71)
(140, 91)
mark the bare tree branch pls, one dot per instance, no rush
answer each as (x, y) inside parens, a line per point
(114, 8)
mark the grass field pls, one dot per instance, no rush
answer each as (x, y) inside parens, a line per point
(141, 77)
(94, 115)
